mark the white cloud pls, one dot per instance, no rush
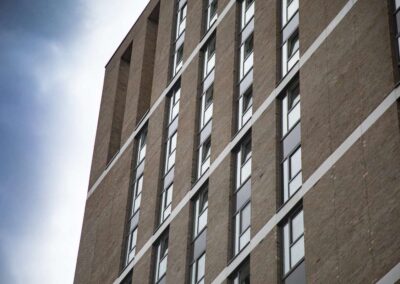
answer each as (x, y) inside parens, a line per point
(70, 80)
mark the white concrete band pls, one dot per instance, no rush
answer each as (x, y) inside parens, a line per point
(392, 276)
(227, 150)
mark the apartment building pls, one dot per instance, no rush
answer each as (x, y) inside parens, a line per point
(251, 141)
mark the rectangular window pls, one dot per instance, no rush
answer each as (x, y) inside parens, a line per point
(211, 13)
(293, 248)
(242, 195)
(171, 152)
(136, 193)
(161, 259)
(204, 157)
(245, 107)
(178, 59)
(200, 210)
(174, 105)
(181, 20)
(246, 56)
(166, 203)
(242, 275)
(291, 140)
(290, 35)
(209, 57)
(206, 106)
(247, 12)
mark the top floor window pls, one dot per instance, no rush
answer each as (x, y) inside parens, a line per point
(209, 57)
(247, 12)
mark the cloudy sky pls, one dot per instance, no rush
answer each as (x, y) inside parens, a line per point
(52, 58)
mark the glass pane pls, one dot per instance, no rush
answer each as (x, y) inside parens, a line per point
(247, 115)
(201, 267)
(297, 251)
(295, 184)
(284, 14)
(248, 64)
(139, 185)
(397, 4)
(284, 59)
(203, 220)
(246, 217)
(241, 61)
(137, 202)
(249, 13)
(286, 245)
(205, 166)
(167, 212)
(169, 196)
(237, 232)
(293, 8)
(284, 115)
(246, 171)
(211, 63)
(297, 226)
(285, 180)
(245, 239)
(163, 267)
(295, 58)
(193, 274)
(208, 114)
(295, 163)
(171, 161)
(294, 116)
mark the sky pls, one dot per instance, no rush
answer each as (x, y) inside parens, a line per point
(52, 58)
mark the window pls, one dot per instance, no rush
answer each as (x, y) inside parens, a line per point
(242, 275)
(245, 107)
(178, 61)
(204, 157)
(206, 106)
(242, 195)
(200, 213)
(290, 109)
(166, 203)
(246, 56)
(211, 13)
(290, 35)
(209, 57)
(291, 140)
(289, 8)
(243, 162)
(200, 208)
(198, 270)
(136, 193)
(174, 105)
(161, 259)
(293, 246)
(247, 12)
(171, 152)
(181, 21)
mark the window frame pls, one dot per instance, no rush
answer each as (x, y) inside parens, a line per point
(181, 19)
(244, 57)
(165, 203)
(201, 199)
(245, 114)
(161, 255)
(245, 6)
(204, 108)
(209, 56)
(211, 19)
(204, 160)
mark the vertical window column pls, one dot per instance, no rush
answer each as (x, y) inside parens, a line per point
(206, 109)
(200, 212)
(242, 196)
(170, 153)
(290, 50)
(246, 61)
(136, 193)
(293, 249)
(291, 142)
(179, 35)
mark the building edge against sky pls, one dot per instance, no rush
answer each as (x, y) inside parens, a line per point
(248, 141)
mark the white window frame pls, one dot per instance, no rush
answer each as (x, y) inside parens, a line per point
(242, 234)
(174, 105)
(200, 213)
(245, 113)
(204, 157)
(246, 60)
(291, 242)
(211, 19)
(161, 259)
(181, 20)
(206, 111)
(166, 203)
(131, 245)
(137, 195)
(209, 57)
(197, 275)
(290, 109)
(141, 152)
(247, 12)
(292, 181)
(289, 9)
(171, 152)
(178, 61)
(290, 60)
(243, 163)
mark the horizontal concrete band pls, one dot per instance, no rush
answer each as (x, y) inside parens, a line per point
(310, 182)
(161, 98)
(392, 276)
(228, 149)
